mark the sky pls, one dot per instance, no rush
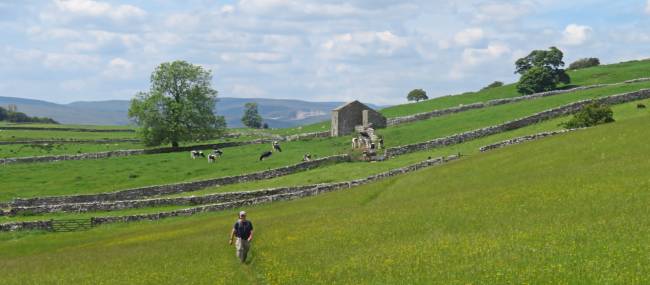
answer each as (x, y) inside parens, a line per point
(375, 51)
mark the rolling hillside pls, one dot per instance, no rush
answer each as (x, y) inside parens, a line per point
(278, 113)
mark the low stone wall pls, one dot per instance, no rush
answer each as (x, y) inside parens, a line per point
(188, 201)
(523, 139)
(35, 225)
(71, 141)
(149, 191)
(480, 105)
(240, 199)
(122, 153)
(304, 136)
(519, 123)
(282, 196)
(69, 129)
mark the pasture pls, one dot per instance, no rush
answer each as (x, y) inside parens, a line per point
(566, 209)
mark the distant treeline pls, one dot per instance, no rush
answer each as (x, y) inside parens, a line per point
(12, 115)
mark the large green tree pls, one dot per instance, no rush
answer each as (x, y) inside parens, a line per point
(417, 95)
(251, 118)
(179, 106)
(541, 71)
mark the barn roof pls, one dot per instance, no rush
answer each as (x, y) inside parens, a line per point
(350, 103)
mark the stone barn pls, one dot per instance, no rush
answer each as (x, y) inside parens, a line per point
(345, 118)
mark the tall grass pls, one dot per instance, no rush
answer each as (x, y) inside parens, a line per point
(564, 210)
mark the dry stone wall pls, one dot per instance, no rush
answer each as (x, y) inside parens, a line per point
(519, 123)
(123, 153)
(240, 199)
(71, 141)
(480, 105)
(305, 136)
(149, 191)
(523, 139)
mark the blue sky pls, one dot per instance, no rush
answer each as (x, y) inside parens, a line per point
(330, 50)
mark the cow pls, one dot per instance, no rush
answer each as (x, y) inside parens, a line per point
(265, 155)
(355, 143)
(306, 157)
(212, 158)
(217, 152)
(276, 147)
(640, 106)
(196, 153)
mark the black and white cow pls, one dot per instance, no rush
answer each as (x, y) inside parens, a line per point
(196, 154)
(276, 147)
(265, 155)
(212, 158)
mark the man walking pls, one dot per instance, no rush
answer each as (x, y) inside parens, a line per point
(243, 230)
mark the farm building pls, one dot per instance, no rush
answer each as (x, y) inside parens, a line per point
(345, 118)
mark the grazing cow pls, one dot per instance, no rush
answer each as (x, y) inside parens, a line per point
(364, 135)
(355, 143)
(217, 152)
(640, 106)
(212, 158)
(306, 157)
(265, 155)
(380, 144)
(276, 146)
(196, 153)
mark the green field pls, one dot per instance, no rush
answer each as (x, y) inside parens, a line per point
(93, 176)
(349, 171)
(563, 210)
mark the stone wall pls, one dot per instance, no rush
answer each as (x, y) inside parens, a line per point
(149, 191)
(299, 192)
(519, 123)
(480, 105)
(122, 153)
(239, 199)
(305, 136)
(374, 118)
(69, 129)
(36, 225)
(523, 139)
(71, 141)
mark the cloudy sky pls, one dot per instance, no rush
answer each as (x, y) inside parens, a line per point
(327, 50)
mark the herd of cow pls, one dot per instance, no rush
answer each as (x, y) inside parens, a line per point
(216, 153)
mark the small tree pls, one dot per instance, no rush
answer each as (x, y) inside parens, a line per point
(265, 126)
(3, 114)
(494, 84)
(417, 95)
(591, 115)
(178, 107)
(546, 63)
(251, 118)
(584, 63)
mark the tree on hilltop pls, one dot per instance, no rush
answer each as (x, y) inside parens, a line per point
(541, 71)
(251, 118)
(417, 95)
(179, 106)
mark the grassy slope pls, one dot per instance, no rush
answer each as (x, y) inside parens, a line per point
(23, 150)
(348, 171)
(566, 209)
(94, 176)
(612, 73)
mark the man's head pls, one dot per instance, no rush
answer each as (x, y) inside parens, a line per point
(242, 215)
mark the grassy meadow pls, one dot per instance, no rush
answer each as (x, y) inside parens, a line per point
(351, 170)
(94, 176)
(563, 210)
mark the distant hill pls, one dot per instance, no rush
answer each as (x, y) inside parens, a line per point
(278, 113)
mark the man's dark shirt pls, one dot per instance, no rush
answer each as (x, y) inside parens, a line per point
(243, 229)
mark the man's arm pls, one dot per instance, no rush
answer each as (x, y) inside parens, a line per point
(232, 235)
(250, 238)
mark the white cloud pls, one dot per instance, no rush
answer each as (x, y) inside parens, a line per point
(227, 9)
(468, 36)
(363, 44)
(576, 34)
(99, 9)
(247, 90)
(503, 11)
(119, 68)
(473, 56)
(647, 7)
